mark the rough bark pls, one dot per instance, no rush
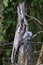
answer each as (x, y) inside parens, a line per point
(20, 34)
(25, 55)
(19, 31)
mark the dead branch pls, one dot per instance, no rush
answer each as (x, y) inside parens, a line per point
(34, 19)
(36, 34)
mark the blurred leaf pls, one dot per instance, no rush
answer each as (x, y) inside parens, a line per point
(5, 3)
(8, 52)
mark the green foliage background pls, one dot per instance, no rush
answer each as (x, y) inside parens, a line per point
(9, 20)
(33, 7)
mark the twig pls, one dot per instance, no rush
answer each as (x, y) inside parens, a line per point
(34, 19)
(37, 51)
(36, 34)
(6, 44)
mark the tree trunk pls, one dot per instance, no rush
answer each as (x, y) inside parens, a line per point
(25, 55)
